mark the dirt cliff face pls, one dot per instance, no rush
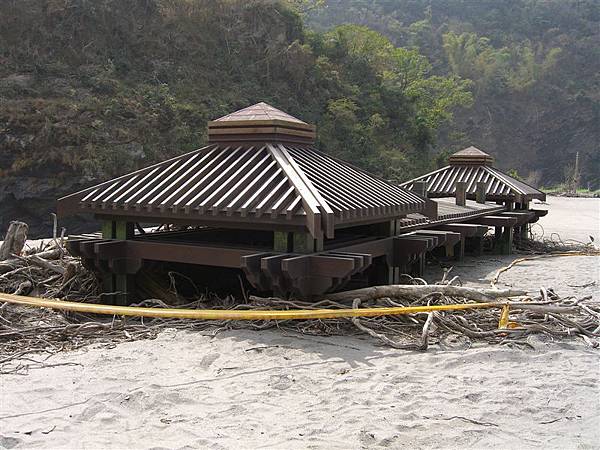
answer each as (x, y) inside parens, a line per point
(33, 199)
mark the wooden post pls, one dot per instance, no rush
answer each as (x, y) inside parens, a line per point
(475, 245)
(379, 272)
(282, 241)
(382, 229)
(420, 188)
(124, 230)
(461, 248)
(431, 209)
(481, 189)
(293, 242)
(108, 229)
(303, 243)
(507, 238)
(461, 193)
(524, 232)
(498, 240)
(111, 282)
(108, 278)
(125, 285)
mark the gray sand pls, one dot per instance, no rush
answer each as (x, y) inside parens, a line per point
(244, 389)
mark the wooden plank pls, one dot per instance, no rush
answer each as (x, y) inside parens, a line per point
(466, 229)
(261, 130)
(496, 221)
(217, 124)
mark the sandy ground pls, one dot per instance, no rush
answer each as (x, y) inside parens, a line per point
(570, 218)
(244, 389)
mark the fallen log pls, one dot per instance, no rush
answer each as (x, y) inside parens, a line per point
(418, 291)
(14, 263)
(35, 259)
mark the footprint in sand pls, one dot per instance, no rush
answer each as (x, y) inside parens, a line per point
(209, 359)
(9, 442)
(281, 382)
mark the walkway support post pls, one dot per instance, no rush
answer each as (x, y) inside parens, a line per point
(461, 193)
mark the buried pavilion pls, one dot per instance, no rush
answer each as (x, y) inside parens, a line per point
(261, 200)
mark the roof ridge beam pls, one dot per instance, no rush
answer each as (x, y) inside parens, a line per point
(315, 205)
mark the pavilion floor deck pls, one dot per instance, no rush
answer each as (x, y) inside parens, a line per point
(355, 255)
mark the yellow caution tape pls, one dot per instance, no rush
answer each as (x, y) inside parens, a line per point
(504, 317)
(234, 314)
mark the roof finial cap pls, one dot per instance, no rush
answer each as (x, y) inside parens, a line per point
(471, 156)
(260, 123)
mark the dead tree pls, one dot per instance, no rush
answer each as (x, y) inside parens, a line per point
(14, 241)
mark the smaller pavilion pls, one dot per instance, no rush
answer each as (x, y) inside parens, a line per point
(473, 166)
(470, 174)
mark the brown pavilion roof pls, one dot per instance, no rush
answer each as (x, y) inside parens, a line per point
(269, 183)
(472, 165)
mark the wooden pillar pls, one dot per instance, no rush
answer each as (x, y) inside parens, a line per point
(503, 240)
(124, 230)
(431, 209)
(383, 229)
(461, 193)
(455, 251)
(460, 255)
(124, 284)
(420, 188)
(282, 241)
(475, 245)
(498, 240)
(380, 272)
(480, 191)
(296, 242)
(508, 236)
(108, 229)
(305, 243)
(108, 278)
(419, 266)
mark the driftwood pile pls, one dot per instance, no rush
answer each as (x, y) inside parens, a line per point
(544, 243)
(46, 270)
(49, 271)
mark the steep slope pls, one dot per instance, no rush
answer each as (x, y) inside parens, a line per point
(93, 89)
(535, 68)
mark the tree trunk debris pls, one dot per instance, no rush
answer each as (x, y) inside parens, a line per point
(51, 272)
(14, 241)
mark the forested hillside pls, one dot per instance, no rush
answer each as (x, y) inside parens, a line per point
(534, 65)
(91, 89)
